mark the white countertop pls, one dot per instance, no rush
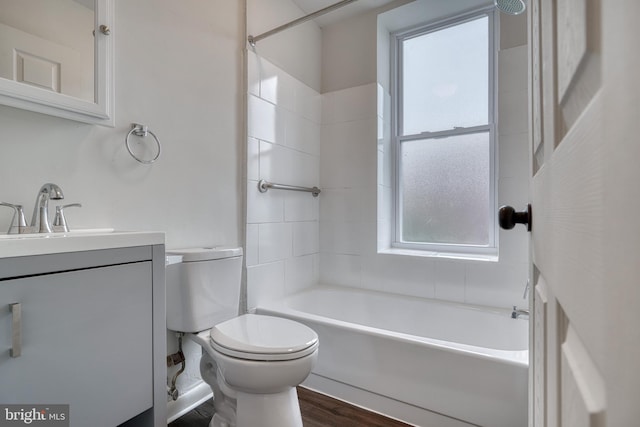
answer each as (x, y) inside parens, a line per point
(15, 245)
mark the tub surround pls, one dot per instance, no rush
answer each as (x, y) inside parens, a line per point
(283, 147)
(342, 237)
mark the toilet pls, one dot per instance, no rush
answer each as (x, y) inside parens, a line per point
(253, 363)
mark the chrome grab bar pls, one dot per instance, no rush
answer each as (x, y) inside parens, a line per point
(263, 186)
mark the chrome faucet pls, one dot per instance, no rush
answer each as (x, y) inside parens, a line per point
(18, 217)
(517, 312)
(41, 207)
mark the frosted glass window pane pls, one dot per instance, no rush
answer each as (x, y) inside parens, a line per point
(446, 190)
(445, 77)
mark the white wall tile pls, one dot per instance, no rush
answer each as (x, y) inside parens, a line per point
(302, 134)
(351, 104)
(299, 206)
(263, 207)
(285, 148)
(265, 283)
(368, 202)
(340, 204)
(253, 159)
(336, 269)
(309, 104)
(304, 169)
(275, 163)
(384, 235)
(385, 166)
(276, 86)
(513, 245)
(253, 74)
(265, 121)
(512, 112)
(512, 69)
(284, 165)
(398, 274)
(449, 279)
(341, 237)
(269, 83)
(274, 242)
(349, 154)
(497, 285)
(252, 245)
(513, 150)
(306, 238)
(368, 238)
(513, 192)
(380, 95)
(300, 273)
(384, 203)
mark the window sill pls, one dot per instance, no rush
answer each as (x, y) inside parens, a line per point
(442, 255)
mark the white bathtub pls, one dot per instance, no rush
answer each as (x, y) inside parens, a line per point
(455, 360)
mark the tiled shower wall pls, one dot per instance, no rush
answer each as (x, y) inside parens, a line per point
(284, 118)
(356, 202)
(339, 140)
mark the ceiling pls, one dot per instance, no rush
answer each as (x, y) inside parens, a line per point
(351, 9)
(89, 4)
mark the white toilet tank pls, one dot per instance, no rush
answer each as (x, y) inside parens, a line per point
(203, 287)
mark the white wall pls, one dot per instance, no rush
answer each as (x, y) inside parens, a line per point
(178, 69)
(297, 49)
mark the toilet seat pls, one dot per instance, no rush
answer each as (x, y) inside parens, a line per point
(259, 337)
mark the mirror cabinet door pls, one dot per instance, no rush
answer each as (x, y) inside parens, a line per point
(56, 58)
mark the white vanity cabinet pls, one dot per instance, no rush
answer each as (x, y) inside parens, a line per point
(88, 326)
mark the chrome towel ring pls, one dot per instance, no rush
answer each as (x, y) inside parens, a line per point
(142, 131)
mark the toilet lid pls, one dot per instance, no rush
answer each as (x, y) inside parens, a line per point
(258, 337)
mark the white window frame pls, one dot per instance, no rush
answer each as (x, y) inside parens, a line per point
(491, 249)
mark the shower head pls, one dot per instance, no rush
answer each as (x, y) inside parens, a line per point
(510, 7)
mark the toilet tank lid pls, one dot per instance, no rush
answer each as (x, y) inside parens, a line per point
(206, 254)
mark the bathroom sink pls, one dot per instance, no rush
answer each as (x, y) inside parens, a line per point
(78, 240)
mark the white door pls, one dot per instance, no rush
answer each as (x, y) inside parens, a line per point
(585, 115)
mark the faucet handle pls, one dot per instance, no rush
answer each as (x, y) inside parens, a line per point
(19, 213)
(526, 290)
(60, 222)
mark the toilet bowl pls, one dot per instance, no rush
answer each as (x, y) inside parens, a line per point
(252, 362)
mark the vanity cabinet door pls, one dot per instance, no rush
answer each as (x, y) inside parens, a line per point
(86, 341)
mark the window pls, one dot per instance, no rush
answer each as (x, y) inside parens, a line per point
(443, 136)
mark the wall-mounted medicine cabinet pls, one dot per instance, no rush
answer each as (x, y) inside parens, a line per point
(56, 58)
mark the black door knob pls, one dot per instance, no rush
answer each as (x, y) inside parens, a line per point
(508, 217)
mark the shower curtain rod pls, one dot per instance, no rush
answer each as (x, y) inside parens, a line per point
(254, 39)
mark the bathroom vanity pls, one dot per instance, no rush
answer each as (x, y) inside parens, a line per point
(82, 322)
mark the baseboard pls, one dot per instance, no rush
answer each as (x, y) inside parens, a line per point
(383, 405)
(188, 401)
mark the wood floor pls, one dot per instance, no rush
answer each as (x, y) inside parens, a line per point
(317, 410)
